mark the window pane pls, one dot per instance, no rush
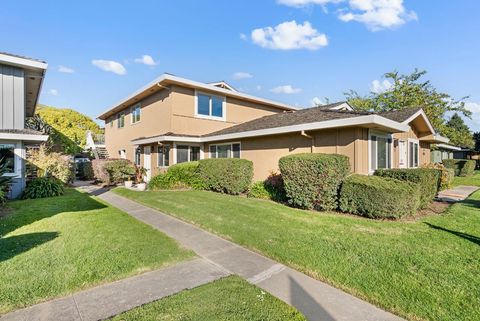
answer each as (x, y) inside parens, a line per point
(194, 153)
(7, 157)
(166, 153)
(415, 146)
(182, 153)
(410, 155)
(137, 156)
(236, 150)
(223, 151)
(389, 152)
(381, 152)
(217, 107)
(373, 156)
(160, 156)
(213, 151)
(203, 105)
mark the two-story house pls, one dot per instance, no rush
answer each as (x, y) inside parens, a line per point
(20, 84)
(173, 120)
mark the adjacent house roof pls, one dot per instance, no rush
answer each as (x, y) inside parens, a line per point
(166, 80)
(34, 73)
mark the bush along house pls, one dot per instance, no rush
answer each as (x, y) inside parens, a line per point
(21, 80)
(173, 120)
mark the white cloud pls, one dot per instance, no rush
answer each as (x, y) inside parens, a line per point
(53, 92)
(286, 89)
(146, 60)
(289, 35)
(304, 3)
(243, 36)
(317, 102)
(65, 69)
(378, 14)
(379, 87)
(110, 65)
(473, 123)
(242, 75)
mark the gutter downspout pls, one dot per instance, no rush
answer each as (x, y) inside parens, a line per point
(304, 134)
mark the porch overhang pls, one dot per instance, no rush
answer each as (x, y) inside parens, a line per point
(434, 139)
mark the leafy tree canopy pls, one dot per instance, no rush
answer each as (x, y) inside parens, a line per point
(411, 91)
(458, 132)
(476, 139)
(67, 128)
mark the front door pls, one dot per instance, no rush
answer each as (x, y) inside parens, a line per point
(402, 154)
(147, 162)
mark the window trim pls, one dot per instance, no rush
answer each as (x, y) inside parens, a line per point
(382, 135)
(415, 141)
(223, 144)
(210, 116)
(176, 144)
(132, 114)
(18, 155)
(163, 160)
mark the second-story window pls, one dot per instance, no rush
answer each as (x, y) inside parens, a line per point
(136, 113)
(210, 106)
(121, 120)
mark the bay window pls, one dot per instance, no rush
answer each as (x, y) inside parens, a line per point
(210, 106)
(7, 157)
(380, 151)
(225, 150)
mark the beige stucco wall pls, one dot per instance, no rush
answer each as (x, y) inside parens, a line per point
(265, 151)
(174, 111)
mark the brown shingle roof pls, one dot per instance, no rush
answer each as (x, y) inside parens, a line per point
(400, 115)
(303, 116)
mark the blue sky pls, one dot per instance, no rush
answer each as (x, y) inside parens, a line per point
(287, 50)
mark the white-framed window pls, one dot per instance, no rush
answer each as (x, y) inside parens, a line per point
(121, 120)
(122, 153)
(210, 106)
(138, 155)
(413, 153)
(230, 150)
(7, 158)
(136, 110)
(380, 151)
(163, 153)
(187, 153)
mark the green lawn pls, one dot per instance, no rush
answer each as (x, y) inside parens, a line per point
(427, 269)
(231, 299)
(470, 180)
(55, 246)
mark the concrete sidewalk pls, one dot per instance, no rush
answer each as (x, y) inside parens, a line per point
(105, 301)
(315, 299)
(456, 194)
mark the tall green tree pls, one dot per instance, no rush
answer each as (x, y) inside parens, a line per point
(476, 139)
(458, 132)
(411, 91)
(67, 128)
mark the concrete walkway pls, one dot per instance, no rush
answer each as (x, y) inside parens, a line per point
(315, 299)
(456, 194)
(105, 301)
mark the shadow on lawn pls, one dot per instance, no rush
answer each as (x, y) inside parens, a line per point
(17, 244)
(471, 203)
(468, 237)
(26, 212)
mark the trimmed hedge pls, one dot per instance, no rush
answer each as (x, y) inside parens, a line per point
(378, 197)
(428, 179)
(272, 188)
(462, 167)
(113, 171)
(178, 176)
(84, 171)
(312, 181)
(446, 177)
(225, 175)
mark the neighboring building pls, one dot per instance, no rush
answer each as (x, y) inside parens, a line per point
(443, 151)
(174, 120)
(20, 84)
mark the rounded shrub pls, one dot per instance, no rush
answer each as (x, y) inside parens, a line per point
(226, 175)
(462, 167)
(85, 171)
(428, 179)
(378, 197)
(272, 188)
(312, 181)
(446, 176)
(43, 187)
(178, 176)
